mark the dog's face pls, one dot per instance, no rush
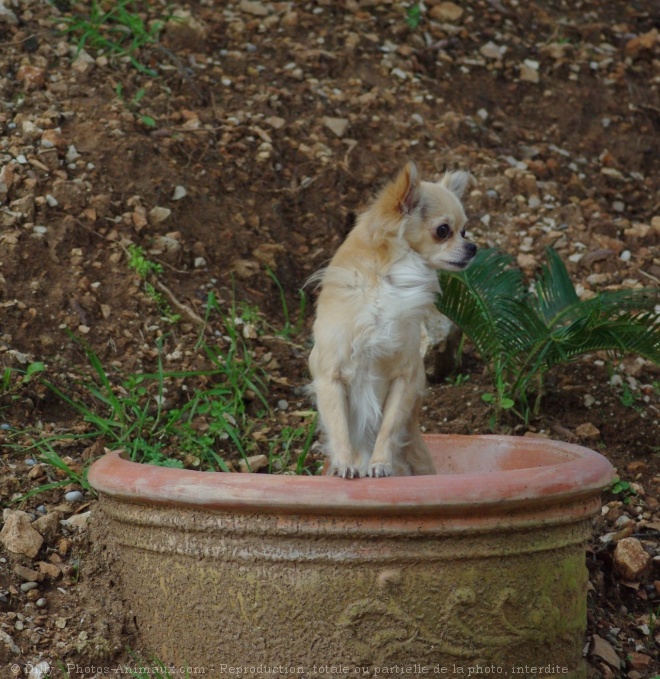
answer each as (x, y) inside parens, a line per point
(430, 217)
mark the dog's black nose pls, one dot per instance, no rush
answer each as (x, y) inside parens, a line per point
(471, 249)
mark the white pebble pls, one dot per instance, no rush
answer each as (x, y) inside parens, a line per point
(73, 496)
(72, 154)
(625, 256)
(179, 193)
(51, 200)
(41, 603)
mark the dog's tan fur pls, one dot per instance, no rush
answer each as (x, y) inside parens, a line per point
(366, 365)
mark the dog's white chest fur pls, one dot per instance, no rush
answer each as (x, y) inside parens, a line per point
(394, 308)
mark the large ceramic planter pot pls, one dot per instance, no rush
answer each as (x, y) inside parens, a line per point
(482, 566)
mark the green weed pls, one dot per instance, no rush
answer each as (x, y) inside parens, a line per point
(134, 103)
(119, 29)
(145, 269)
(290, 329)
(292, 447)
(623, 489)
(458, 380)
(45, 452)
(137, 413)
(414, 16)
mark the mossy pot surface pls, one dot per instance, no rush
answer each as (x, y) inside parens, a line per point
(480, 567)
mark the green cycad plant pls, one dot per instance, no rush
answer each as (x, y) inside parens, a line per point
(522, 330)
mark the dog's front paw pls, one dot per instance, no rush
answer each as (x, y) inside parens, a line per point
(380, 469)
(346, 471)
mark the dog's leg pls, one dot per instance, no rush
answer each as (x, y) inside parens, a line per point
(332, 404)
(404, 392)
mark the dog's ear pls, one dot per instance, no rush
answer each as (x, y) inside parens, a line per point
(457, 182)
(407, 189)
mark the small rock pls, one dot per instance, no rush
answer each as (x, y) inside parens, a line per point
(28, 586)
(637, 467)
(245, 268)
(250, 331)
(257, 9)
(631, 560)
(18, 535)
(158, 215)
(71, 155)
(73, 496)
(52, 139)
(275, 122)
(597, 255)
(179, 193)
(199, 262)
(83, 62)
(27, 573)
(25, 206)
(557, 50)
(642, 43)
(51, 570)
(336, 125)
(32, 77)
(639, 661)
(290, 19)
(638, 230)
(168, 247)
(587, 431)
(603, 649)
(529, 71)
(492, 51)
(7, 16)
(77, 521)
(655, 223)
(41, 603)
(448, 12)
(253, 463)
(527, 262)
(282, 404)
(47, 525)
(185, 32)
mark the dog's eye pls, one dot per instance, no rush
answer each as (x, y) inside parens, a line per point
(443, 231)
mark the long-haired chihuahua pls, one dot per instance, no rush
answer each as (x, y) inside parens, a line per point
(366, 364)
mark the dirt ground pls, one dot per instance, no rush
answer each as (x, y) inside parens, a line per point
(263, 129)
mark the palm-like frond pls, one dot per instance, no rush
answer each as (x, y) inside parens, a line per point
(522, 334)
(554, 291)
(471, 298)
(633, 332)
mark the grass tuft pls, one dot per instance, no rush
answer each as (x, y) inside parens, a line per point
(116, 29)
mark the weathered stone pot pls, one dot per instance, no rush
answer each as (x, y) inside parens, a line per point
(481, 567)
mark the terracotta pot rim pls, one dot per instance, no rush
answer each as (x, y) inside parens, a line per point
(578, 473)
